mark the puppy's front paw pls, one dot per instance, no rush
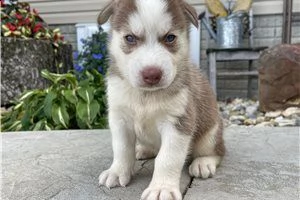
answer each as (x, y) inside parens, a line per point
(161, 193)
(112, 178)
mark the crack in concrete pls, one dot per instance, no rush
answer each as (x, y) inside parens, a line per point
(187, 187)
(143, 165)
(55, 194)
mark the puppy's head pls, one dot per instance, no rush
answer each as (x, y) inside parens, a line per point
(149, 39)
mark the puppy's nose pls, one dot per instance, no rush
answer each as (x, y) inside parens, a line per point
(151, 75)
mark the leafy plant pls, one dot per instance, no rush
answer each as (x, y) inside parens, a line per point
(73, 100)
(18, 20)
(93, 56)
(217, 8)
(66, 104)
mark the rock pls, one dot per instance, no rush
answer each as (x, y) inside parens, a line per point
(273, 114)
(285, 122)
(246, 113)
(226, 122)
(235, 123)
(279, 70)
(23, 60)
(238, 108)
(225, 114)
(237, 101)
(221, 105)
(250, 122)
(237, 118)
(291, 111)
(251, 111)
(278, 118)
(260, 119)
(263, 124)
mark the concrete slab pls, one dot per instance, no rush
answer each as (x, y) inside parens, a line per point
(65, 165)
(260, 164)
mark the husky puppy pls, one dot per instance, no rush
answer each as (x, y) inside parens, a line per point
(160, 105)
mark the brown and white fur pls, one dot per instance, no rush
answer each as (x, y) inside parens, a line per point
(159, 103)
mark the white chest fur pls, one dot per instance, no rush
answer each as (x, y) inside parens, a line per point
(144, 111)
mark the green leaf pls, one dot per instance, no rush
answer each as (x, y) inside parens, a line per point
(27, 94)
(70, 96)
(48, 127)
(26, 120)
(15, 126)
(46, 74)
(94, 109)
(19, 105)
(70, 78)
(60, 115)
(101, 123)
(60, 77)
(86, 93)
(38, 125)
(83, 111)
(81, 124)
(84, 83)
(48, 103)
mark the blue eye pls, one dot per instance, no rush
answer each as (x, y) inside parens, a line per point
(131, 39)
(170, 38)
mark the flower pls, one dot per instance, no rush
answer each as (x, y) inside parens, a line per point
(19, 16)
(78, 68)
(93, 55)
(2, 3)
(27, 21)
(83, 41)
(11, 27)
(37, 27)
(75, 55)
(98, 56)
(35, 12)
(100, 69)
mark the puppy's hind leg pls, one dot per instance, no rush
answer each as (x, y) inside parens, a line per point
(143, 151)
(208, 152)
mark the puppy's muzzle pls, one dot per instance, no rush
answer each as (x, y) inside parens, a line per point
(151, 75)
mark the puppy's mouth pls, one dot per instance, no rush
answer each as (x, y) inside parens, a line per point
(153, 87)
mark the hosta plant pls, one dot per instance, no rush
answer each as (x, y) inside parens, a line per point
(66, 104)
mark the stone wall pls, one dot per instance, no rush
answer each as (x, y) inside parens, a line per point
(267, 32)
(22, 62)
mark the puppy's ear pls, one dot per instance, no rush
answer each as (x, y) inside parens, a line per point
(191, 13)
(105, 13)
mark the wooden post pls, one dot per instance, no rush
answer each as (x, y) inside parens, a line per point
(250, 80)
(287, 21)
(212, 70)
